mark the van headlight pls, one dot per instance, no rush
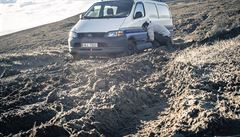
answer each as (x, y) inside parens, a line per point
(117, 33)
(73, 34)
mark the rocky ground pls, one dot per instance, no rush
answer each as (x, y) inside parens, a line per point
(189, 89)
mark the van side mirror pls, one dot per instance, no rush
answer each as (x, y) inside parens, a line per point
(81, 15)
(138, 15)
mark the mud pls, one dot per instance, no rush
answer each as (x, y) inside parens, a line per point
(201, 93)
(189, 89)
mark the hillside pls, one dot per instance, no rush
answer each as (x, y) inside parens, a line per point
(189, 89)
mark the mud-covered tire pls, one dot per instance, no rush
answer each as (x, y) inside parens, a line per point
(161, 40)
(168, 42)
(78, 57)
(132, 47)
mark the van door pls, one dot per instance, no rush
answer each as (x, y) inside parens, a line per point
(139, 15)
(152, 12)
(133, 26)
(165, 17)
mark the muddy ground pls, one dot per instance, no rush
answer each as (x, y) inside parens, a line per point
(189, 89)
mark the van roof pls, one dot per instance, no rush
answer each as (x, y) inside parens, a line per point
(154, 1)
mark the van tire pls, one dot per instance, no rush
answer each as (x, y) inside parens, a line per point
(78, 57)
(132, 47)
(168, 42)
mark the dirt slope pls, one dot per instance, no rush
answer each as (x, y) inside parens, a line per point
(189, 89)
(206, 20)
(203, 91)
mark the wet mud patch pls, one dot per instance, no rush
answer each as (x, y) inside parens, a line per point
(221, 127)
(26, 89)
(48, 130)
(16, 121)
(117, 113)
(17, 63)
(222, 35)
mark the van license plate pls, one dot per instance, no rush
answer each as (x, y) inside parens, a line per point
(89, 45)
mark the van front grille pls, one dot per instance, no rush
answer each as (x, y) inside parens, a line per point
(91, 35)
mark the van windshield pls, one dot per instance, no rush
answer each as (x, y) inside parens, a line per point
(109, 9)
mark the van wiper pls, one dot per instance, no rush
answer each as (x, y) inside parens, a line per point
(86, 17)
(105, 17)
(113, 17)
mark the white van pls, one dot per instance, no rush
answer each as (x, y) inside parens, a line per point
(113, 27)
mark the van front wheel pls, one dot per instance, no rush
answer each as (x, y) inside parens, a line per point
(168, 42)
(132, 47)
(78, 57)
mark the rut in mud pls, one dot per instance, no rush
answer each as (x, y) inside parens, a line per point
(100, 96)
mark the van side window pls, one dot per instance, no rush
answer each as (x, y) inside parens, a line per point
(163, 11)
(139, 9)
(151, 10)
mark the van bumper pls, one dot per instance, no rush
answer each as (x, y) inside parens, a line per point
(106, 46)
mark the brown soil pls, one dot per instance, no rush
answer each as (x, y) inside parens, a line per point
(189, 89)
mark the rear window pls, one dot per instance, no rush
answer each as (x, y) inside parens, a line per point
(109, 9)
(163, 11)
